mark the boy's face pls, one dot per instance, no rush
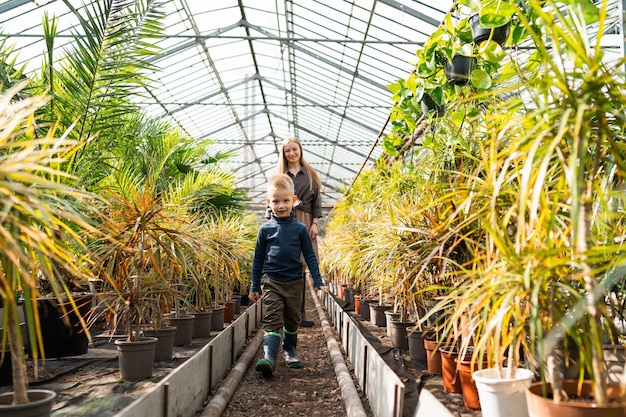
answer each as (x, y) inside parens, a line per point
(281, 201)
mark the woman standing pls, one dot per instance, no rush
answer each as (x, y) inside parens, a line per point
(307, 187)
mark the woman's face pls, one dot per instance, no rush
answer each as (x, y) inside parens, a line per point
(292, 152)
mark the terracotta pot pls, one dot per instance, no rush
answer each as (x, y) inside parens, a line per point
(164, 348)
(377, 314)
(237, 299)
(449, 372)
(433, 356)
(136, 359)
(229, 311)
(357, 304)
(468, 386)
(341, 292)
(539, 406)
(40, 404)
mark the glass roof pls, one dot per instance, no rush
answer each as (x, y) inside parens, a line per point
(247, 74)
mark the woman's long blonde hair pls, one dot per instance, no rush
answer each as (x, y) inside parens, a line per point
(283, 164)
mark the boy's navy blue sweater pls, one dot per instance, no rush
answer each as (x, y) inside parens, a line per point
(279, 243)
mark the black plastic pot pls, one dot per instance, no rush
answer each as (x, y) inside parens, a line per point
(480, 34)
(429, 104)
(61, 338)
(458, 71)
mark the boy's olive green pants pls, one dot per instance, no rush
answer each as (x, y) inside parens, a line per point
(282, 302)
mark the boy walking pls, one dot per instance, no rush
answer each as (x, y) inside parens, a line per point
(277, 270)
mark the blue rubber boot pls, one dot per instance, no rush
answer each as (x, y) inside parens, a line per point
(271, 344)
(289, 349)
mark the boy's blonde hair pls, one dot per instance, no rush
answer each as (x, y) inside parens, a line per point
(280, 182)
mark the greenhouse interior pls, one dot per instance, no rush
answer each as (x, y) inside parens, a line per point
(427, 196)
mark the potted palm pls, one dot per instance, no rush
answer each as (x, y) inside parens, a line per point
(148, 244)
(39, 206)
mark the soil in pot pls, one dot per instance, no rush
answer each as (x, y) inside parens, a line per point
(40, 404)
(581, 403)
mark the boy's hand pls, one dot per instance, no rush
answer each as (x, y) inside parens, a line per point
(254, 296)
(323, 288)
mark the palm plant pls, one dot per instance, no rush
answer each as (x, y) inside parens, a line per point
(43, 220)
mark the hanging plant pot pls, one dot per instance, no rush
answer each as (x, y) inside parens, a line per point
(40, 404)
(429, 104)
(580, 402)
(459, 70)
(480, 34)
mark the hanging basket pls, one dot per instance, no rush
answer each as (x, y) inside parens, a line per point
(481, 34)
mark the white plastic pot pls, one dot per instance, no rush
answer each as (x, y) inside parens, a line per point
(502, 397)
